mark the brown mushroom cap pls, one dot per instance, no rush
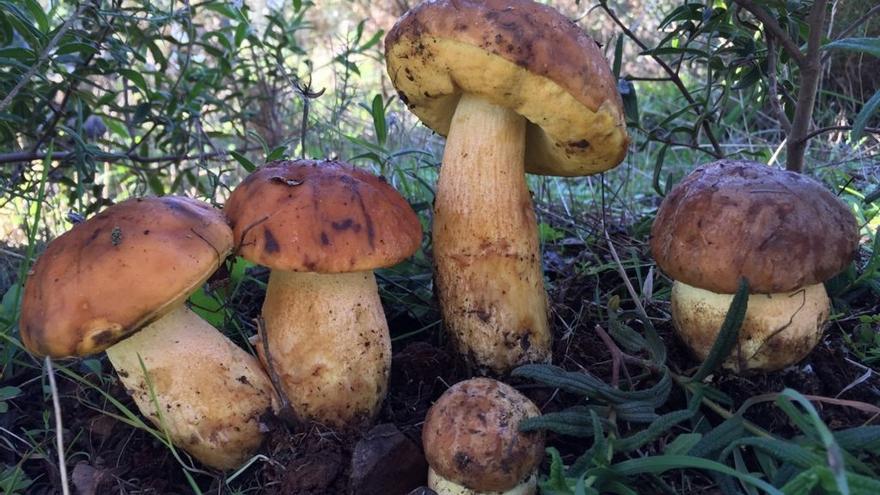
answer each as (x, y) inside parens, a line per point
(730, 219)
(471, 436)
(520, 55)
(325, 217)
(118, 271)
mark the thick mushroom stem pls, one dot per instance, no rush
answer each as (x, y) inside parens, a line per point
(443, 486)
(207, 392)
(486, 253)
(329, 343)
(778, 330)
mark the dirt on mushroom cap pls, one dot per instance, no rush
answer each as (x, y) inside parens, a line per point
(321, 216)
(730, 219)
(520, 55)
(471, 436)
(118, 271)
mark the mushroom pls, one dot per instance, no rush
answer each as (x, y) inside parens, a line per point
(783, 232)
(516, 87)
(322, 228)
(473, 444)
(118, 282)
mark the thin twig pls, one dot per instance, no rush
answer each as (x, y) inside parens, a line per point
(59, 432)
(26, 78)
(285, 410)
(858, 22)
(29, 156)
(772, 86)
(811, 135)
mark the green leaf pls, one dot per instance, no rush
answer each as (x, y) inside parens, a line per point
(719, 437)
(276, 154)
(573, 422)
(658, 168)
(871, 46)
(859, 438)
(865, 113)
(618, 56)
(783, 450)
(663, 463)
(729, 333)
(39, 15)
(243, 161)
(379, 124)
(78, 47)
(660, 426)
(137, 79)
(683, 444)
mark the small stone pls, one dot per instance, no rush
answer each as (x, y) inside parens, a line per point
(385, 462)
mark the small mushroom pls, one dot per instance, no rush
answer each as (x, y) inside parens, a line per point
(118, 282)
(515, 87)
(322, 228)
(783, 232)
(473, 444)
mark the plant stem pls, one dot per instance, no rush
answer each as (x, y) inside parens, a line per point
(811, 69)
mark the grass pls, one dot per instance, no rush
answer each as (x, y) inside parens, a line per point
(627, 408)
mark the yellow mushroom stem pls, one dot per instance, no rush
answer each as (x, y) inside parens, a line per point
(207, 393)
(778, 330)
(443, 486)
(486, 251)
(330, 345)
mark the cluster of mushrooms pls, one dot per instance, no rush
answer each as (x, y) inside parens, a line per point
(516, 88)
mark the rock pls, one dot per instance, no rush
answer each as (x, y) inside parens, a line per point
(87, 480)
(385, 462)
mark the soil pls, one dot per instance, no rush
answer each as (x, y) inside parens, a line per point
(107, 456)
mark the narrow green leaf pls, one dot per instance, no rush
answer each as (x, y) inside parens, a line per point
(618, 56)
(865, 113)
(137, 79)
(39, 15)
(658, 168)
(719, 437)
(663, 463)
(243, 161)
(276, 154)
(660, 426)
(871, 46)
(379, 124)
(729, 333)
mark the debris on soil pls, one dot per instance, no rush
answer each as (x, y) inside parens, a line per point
(386, 462)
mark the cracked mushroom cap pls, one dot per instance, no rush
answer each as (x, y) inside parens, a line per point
(118, 271)
(321, 216)
(520, 55)
(471, 436)
(729, 219)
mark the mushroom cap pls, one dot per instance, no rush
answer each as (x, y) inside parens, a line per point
(520, 55)
(729, 219)
(325, 217)
(471, 436)
(118, 271)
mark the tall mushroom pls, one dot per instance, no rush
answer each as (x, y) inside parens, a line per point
(118, 282)
(323, 227)
(516, 87)
(473, 444)
(782, 231)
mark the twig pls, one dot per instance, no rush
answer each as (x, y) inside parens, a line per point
(811, 70)
(59, 434)
(811, 135)
(31, 156)
(285, 410)
(673, 76)
(774, 94)
(776, 30)
(26, 78)
(858, 22)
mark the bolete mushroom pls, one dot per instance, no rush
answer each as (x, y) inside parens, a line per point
(322, 228)
(782, 231)
(473, 444)
(118, 282)
(515, 87)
